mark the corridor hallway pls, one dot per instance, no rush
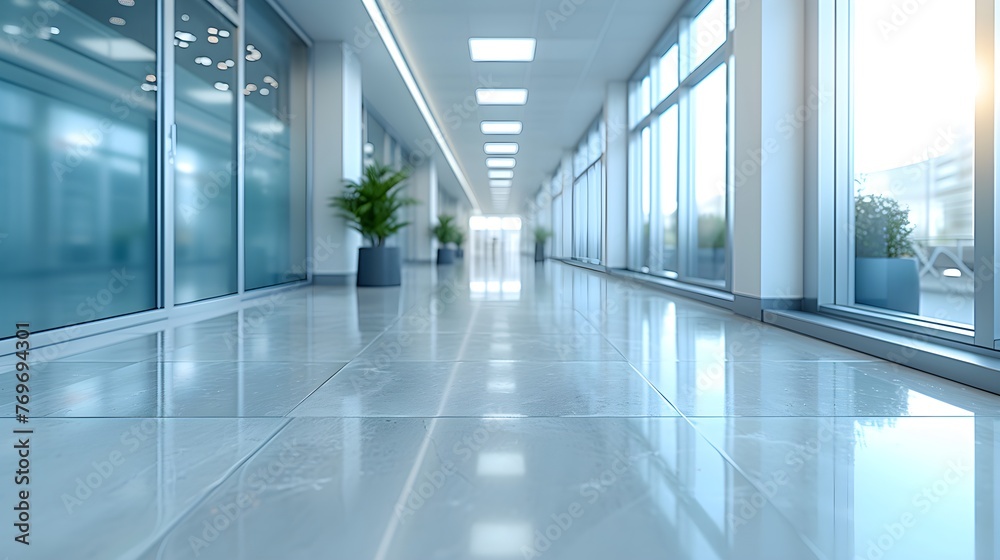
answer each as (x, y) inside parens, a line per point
(499, 412)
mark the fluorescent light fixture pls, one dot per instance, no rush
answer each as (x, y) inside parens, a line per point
(501, 148)
(501, 184)
(501, 163)
(512, 224)
(382, 26)
(501, 174)
(502, 50)
(501, 127)
(501, 464)
(510, 96)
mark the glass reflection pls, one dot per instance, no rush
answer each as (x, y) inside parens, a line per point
(77, 162)
(275, 150)
(205, 179)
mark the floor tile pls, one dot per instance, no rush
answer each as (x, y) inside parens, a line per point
(394, 489)
(497, 389)
(450, 347)
(885, 488)
(171, 389)
(105, 488)
(812, 388)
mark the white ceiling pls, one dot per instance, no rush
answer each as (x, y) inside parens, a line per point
(578, 52)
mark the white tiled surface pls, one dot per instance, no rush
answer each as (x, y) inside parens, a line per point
(581, 418)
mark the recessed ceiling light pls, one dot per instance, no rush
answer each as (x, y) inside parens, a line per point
(117, 21)
(510, 96)
(502, 50)
(501, 184)
(500, 148)
(501, 163)
(501, 174)
(501, 127)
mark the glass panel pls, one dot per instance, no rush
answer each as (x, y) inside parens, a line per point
(668, 188)
(580, 218)
(645, 96)
(595, 214)
(646, 162)
(275, 154)
(77, 162)
(595, 145)
(708, 146)
(580, 163)
(708, 33)
(914, 117)
(205, 179)
(668, 72)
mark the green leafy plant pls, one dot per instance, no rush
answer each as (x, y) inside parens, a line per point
(711, 232)
(372, 206)
(459, 237)
(446, 231)
(882, 228)
(542, 235)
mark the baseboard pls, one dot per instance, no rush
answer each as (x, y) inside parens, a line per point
(335, 279)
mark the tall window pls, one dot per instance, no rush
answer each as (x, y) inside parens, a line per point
(205, 199)
(679, 177)
(910, 189)
(588, 196)
(78, 180)
(275, 150)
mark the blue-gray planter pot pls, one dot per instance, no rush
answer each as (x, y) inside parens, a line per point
(887, 283)
(446, 256)
(379, 267)
(539, 252)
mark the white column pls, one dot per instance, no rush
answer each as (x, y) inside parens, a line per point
(337, 145)
(423, 186)
(768, 163)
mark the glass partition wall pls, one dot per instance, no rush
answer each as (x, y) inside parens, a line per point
(679, 150)
(122, 178)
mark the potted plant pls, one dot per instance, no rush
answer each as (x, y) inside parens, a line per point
(445, 232)
(542, 235)
(459, 241)
(712, 247)
(885, 274)
(372, 207)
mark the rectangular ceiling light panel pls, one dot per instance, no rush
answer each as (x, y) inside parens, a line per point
(501, 127)
(501, 96)
(502, 50)
(501, 163)
(501, 174)
(501, 148)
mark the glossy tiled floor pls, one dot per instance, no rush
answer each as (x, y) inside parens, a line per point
(506, 412)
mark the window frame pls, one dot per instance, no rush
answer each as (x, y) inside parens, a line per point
(834, 284)
(677, 35)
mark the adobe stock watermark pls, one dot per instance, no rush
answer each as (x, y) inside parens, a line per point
(786, 127)
(429, 484)
(223, 515)
(922, 503)
(563, 521)
(92, 307)
(899, 15)
(748, 507)
(104, 468)
(36, 26)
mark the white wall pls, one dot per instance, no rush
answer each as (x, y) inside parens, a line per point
(769, 171)
(337, 145)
